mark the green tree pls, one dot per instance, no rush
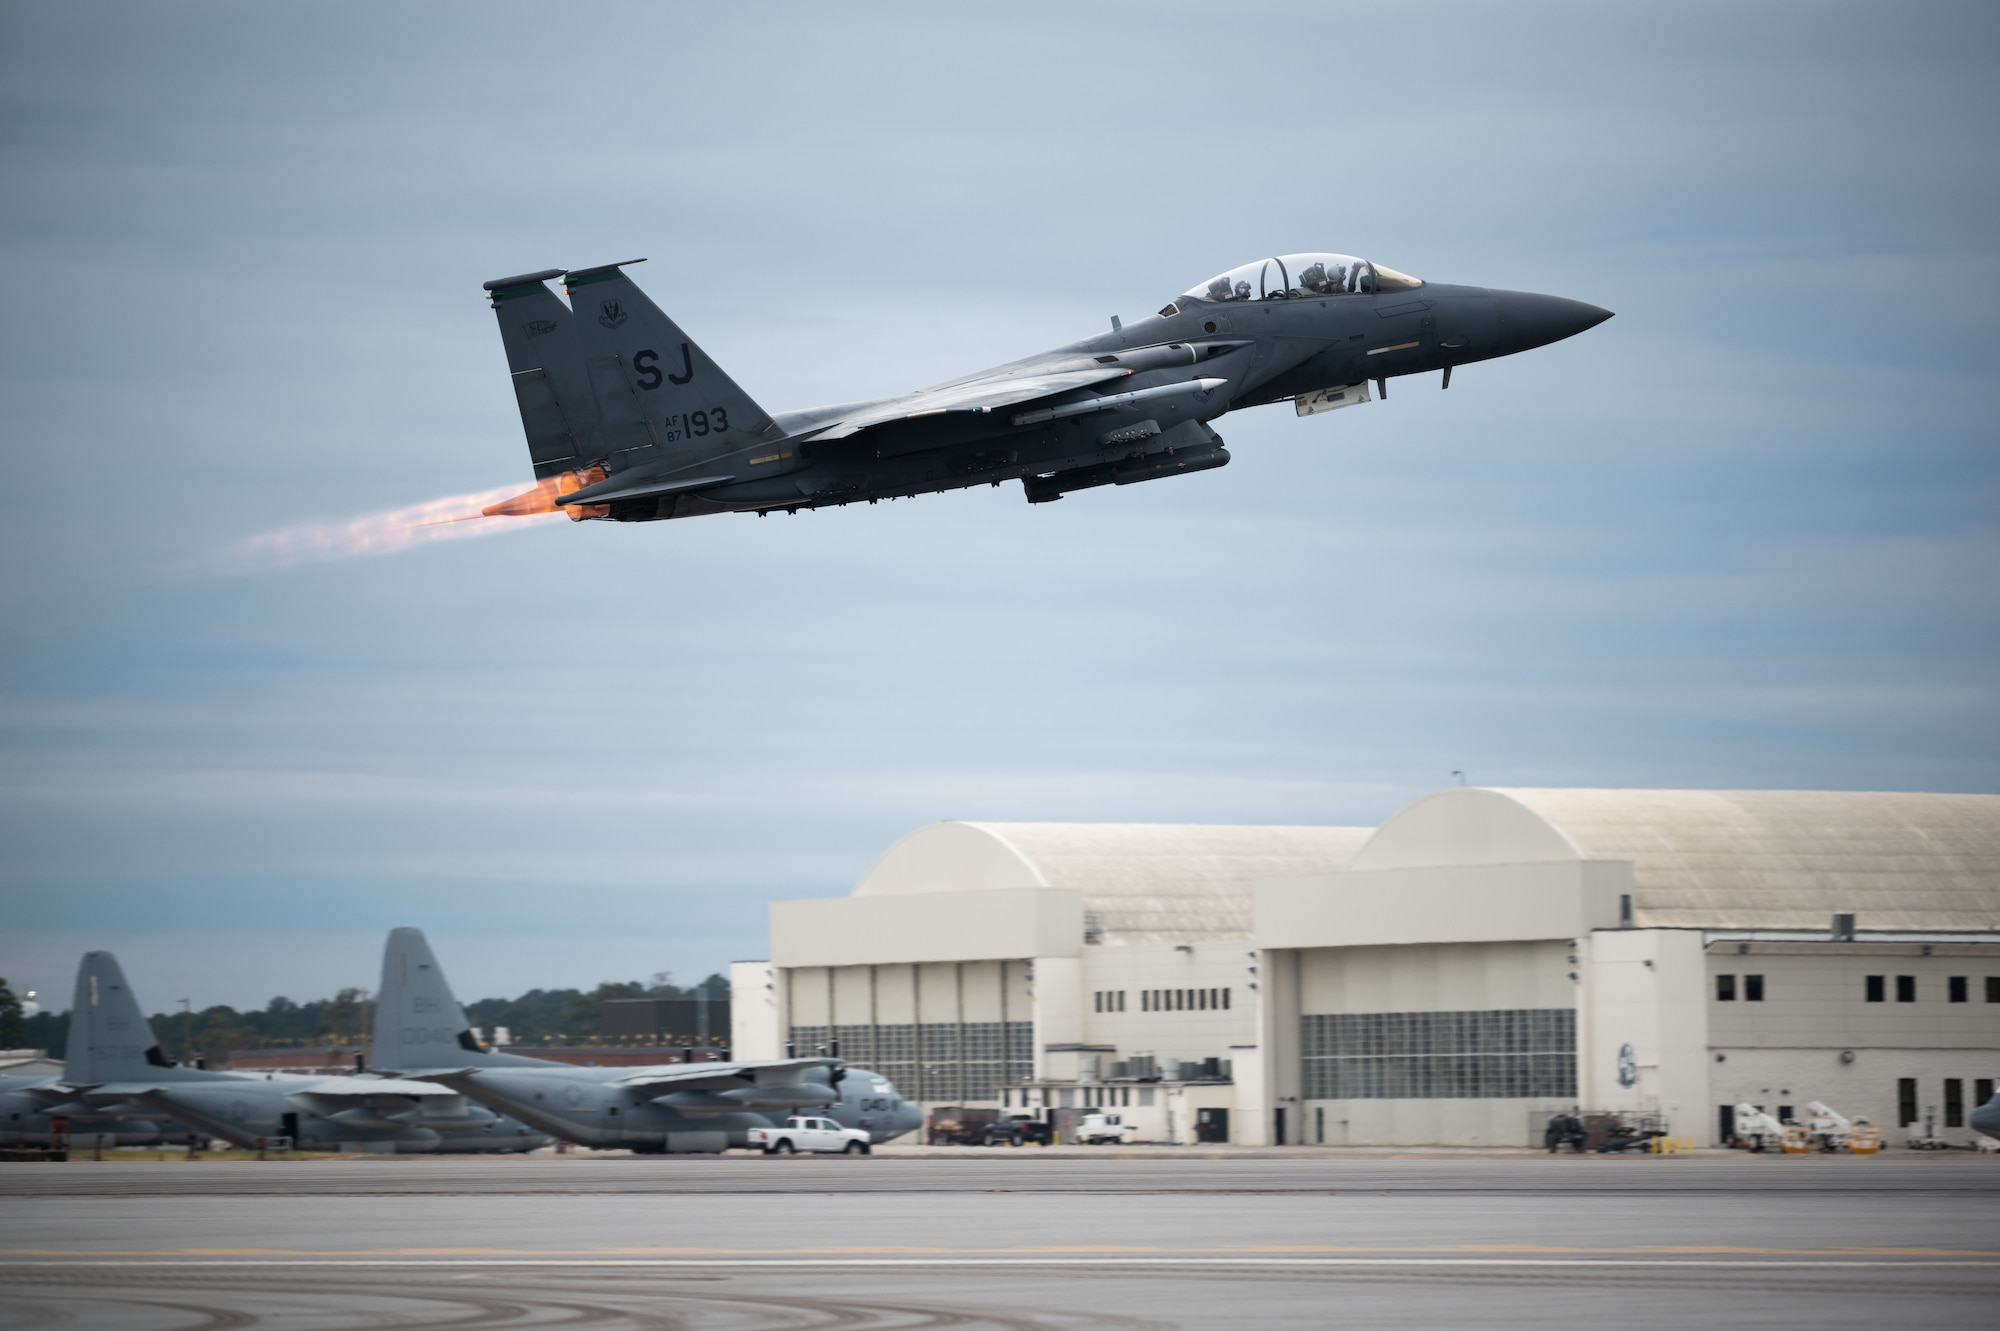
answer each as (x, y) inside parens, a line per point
(220, 1034)
(13, 1023)
(533, 1016)
(346, 1017)
(582, 1015)
(47, 1030)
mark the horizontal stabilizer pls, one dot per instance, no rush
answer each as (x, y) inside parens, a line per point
(522, 280)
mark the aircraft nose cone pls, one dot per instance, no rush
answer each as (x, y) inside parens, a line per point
(1528, 319)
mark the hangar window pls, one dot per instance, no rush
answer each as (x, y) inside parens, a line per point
(1906, 1101)
(1300, 276)
(1725, 988)
(1957, 987)
(1954, 1102)
(1498, 1054)
(1875, 991)
(1993, 988)
(1753, 988)
(1982, 1090)
(1906, 988)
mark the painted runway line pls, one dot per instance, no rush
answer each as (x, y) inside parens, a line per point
(628, 1252)
(1829, 1262)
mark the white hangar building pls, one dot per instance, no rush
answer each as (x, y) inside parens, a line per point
(1483, 959)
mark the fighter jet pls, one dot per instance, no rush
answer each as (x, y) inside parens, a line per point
(673, 1108)
(113, 1067)
(629, 420)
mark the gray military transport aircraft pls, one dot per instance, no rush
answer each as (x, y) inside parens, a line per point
(629, 420)
(671, 1108)
(114, 1067)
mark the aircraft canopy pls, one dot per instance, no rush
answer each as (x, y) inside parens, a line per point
(1297, 276)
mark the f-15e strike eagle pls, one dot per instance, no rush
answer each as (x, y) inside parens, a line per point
(629, 420)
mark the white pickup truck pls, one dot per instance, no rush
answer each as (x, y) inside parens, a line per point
(811, 1134)
(1104, 1129)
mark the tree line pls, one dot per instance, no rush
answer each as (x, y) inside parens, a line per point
(210, 1033)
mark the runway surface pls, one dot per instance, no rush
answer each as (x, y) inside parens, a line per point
(1003, 1239)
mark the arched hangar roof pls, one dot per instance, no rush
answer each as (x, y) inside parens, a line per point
(1142, 882)
(1731, 859)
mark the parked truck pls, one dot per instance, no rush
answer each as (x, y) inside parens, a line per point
(820, 1135)
(1104, 1130)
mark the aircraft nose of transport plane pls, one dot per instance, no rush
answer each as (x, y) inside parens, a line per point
(1529, 320)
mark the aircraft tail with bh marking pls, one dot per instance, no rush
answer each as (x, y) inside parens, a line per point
(110, 1039)
(418, 1022)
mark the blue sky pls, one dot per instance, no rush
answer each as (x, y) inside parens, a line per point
(1743, 535)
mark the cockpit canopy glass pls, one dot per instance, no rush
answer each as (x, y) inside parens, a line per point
(1301, 276)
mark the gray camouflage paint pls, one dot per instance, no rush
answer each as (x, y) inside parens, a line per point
(614, 395)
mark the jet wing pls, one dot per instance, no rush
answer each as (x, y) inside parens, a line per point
(697, 1076)
(367, 1088)
(974, 396)
(116, 1090)
(336, 1095)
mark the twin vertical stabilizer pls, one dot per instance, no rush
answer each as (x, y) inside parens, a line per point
(610, 384)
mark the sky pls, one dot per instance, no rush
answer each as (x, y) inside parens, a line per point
(1743, 535)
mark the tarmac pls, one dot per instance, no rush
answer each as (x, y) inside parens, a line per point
(1005, 1238)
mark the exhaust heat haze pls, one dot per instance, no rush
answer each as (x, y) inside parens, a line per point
(452, 518)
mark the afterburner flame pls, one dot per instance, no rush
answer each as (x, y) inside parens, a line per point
(542, 499)
(452, 518)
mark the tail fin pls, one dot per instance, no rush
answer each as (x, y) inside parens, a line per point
(109, 1037)
(659, 396)
(550, 386)
(418, 1023)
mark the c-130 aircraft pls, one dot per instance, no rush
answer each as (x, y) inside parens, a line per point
(669, 1108)
(629, 420)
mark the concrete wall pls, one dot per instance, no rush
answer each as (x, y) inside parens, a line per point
(755, 1026)
(927, 927)
(1786, 1049)
(1169, 1035)
(1436, 977)
(1643, 988)
(1865, 1088)
(1453, 904)
(1815, 996)
(886, 995)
